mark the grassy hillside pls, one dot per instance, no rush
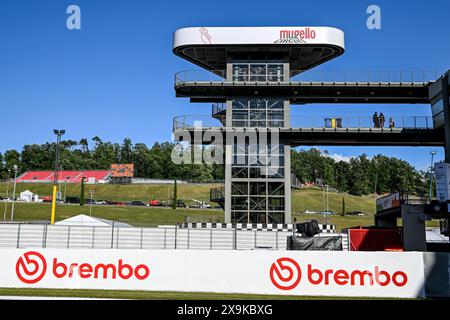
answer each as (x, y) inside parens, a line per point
(138, 216)
(315, 200)
(304, 199)
(115, 192)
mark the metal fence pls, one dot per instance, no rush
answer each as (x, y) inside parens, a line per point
(305, 122)
(376, 76)
(85, 237)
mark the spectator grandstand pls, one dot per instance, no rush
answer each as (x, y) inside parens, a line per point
(91, 176)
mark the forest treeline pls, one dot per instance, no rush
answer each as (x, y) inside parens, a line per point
(359, 176)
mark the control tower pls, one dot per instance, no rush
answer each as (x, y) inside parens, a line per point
(258, 188)
(252, 76)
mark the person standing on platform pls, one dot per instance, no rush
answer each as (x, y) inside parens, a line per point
(391, 123)
(382, 120)
(376, 120)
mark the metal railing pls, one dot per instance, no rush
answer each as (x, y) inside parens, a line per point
(420, 76)
(306, 122)
(362, 122)
(92, 237)
(219, 76)
(217, 108)
(217, 194)
(192, 121)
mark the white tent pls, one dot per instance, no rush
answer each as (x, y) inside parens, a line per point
(87, 221)
(26, 196)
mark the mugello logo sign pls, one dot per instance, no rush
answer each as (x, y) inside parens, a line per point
(286, 274)
(31, 268)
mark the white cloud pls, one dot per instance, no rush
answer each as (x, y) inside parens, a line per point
(338, 157)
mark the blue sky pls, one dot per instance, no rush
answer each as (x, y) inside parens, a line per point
(114, 77)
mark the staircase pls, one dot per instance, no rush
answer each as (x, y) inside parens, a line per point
(218, 195)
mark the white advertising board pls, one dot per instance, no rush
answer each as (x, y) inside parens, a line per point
(331, 273)
(258, 35)
(442, 174)
(388, 202)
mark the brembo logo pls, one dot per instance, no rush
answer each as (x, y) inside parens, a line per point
(285, 274)
(32, 267)
(291, 279)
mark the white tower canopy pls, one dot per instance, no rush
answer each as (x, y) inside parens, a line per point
(303, 47)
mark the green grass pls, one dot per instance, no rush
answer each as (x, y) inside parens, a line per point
(138, 216)
(115, 192)
(315, 200)
(303, 199)
(339, 221)
(153, 295)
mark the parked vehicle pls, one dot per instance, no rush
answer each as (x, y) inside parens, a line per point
(180, 203)
(309, 212)
(137, 203)
(327, 212)
(100, 202)
(72, 200)
(354, 213)
(199, 204)
(155, 203)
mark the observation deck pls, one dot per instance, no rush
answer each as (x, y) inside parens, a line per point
(325, 130)
(308, 87)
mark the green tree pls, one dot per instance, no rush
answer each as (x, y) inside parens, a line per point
(126, 151)
(82, 192)
(175, 198)
(11, 158)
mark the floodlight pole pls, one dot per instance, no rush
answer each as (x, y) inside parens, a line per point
(91, 191)
(58, 134)
(16, 169)
(431, 175)
(7, 192)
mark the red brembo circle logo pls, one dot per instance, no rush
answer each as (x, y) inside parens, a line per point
(31, 267)
(289, 281)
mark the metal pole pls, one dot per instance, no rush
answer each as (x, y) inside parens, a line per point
(18, 235)
(65, 190)
(276, 240)
(68, 238)
(176, 227)
(55, 182)
(431, 175)
(93, 236)
(44, 237)
(117, 238)
(188, 237)
(165, 238)
(112, 236)
(91, 191)
(14, 192)
(7, 192)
